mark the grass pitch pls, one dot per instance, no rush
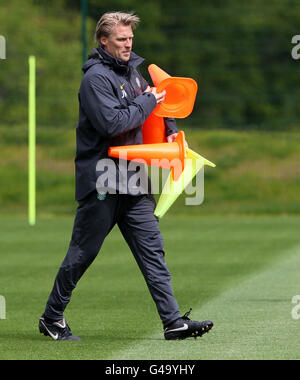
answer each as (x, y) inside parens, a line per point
(239, 271)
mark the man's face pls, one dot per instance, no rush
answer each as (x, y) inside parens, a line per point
(119, 43)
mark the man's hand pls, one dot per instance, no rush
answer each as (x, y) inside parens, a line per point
(172, 138)
(160, 97)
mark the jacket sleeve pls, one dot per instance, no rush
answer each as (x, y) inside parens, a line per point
(103, 109)
(170, 126)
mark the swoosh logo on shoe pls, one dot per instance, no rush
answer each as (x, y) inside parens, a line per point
(61, 325)
(184, 327)
(53, 336)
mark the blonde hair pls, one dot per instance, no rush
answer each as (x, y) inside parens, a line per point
(110, 20)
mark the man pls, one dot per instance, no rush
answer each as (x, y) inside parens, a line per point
(115, 100)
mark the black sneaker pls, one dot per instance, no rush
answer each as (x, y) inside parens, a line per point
(184, 328)
(58, 330)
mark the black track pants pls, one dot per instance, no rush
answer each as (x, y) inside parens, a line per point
(94, 220)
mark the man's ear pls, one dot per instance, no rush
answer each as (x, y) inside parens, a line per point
(103, 41)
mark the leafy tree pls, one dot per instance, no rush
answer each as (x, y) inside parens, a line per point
(53, 36)
(238, 52)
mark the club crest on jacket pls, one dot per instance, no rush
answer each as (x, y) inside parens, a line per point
(124, 94)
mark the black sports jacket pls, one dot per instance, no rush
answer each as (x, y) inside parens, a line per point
(112, 109)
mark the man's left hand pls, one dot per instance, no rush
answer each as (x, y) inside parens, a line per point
(172, 138)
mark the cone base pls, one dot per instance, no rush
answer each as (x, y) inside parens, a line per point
(180, 97)
(165, 155)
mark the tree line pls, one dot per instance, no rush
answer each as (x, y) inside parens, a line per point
(238, 52)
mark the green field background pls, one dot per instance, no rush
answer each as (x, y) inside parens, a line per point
(239, 271)
(256, 172)
(234, 259)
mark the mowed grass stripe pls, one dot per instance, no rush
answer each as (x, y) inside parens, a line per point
(111, 308)
(253, 321)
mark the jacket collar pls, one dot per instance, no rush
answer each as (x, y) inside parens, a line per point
(116, 64)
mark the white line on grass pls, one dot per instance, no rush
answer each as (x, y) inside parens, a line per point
(253, 320)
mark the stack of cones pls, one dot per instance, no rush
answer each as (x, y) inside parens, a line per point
(183, 163)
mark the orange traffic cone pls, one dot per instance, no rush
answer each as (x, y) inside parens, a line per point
(164, 155)
(180, 93)
(154, 131)
(157, 74)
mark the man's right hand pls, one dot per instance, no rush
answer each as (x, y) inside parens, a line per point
(160, 97)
